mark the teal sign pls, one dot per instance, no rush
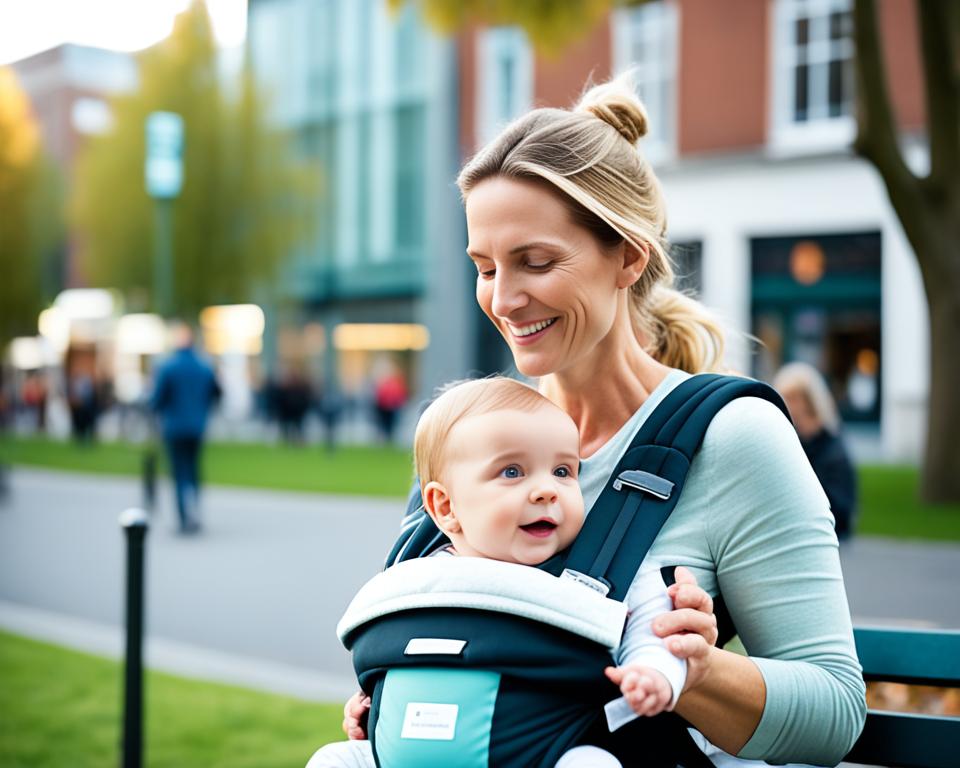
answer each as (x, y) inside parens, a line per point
(164, 163)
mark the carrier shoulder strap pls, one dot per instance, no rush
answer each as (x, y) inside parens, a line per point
(646, 485)
(650, 476)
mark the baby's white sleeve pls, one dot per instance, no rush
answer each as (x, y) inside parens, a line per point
(647, 599)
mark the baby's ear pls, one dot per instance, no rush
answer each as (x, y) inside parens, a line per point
(436, 501)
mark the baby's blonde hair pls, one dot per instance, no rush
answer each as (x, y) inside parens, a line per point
(458, 400)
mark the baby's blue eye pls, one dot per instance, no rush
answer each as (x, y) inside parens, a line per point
(512, 472)
(562, 472)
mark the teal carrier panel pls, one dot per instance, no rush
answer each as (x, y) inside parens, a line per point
(436, 717)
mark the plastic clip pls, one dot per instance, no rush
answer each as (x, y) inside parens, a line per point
(644, 481)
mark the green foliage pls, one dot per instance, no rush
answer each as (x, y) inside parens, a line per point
(245, 202)
(30, 212)
(59, 707)
(551, 25)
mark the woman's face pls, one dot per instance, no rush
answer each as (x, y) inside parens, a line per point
(546, 283)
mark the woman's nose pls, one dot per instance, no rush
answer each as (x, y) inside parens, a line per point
(507, 295)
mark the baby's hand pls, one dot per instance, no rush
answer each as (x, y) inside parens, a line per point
(647, 691)
(355, 716)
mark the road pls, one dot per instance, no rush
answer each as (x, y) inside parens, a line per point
(255, 598)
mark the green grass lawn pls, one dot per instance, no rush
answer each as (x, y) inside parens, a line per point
(354, 469)
(889, 506)
(62, 708)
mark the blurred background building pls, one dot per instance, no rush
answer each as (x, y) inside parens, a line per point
(781, 228)
(372, 97)
(69, 87)
(775, 223)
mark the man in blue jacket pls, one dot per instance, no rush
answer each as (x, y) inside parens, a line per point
(186, 389)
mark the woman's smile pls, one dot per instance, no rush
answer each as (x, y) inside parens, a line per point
(529, 333)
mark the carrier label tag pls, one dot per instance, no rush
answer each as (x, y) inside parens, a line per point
(619, 713)
(433, 722)
(587, 581)
(423, 646)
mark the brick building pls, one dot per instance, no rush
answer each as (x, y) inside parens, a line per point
(781, 228)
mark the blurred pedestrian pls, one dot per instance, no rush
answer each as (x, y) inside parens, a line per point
(82, 398)
(330, 406)
(815, 418)
(33, 399)
(185, 391)
(390, 395)
(293, 400)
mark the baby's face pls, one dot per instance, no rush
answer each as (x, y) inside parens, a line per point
(512, 481)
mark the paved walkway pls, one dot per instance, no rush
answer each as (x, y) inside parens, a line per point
(266, 582)
(255, 599)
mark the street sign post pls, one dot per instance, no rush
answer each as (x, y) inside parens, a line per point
(163, 174)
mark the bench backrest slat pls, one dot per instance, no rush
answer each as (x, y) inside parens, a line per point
(917, 656)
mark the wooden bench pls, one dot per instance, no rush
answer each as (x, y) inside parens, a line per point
(918, 657)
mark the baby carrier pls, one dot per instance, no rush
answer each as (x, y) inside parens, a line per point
(464, 671)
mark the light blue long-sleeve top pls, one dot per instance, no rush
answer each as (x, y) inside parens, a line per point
(754, 524)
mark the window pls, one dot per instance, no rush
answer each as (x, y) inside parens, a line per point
(817, 298)
(410, 148)
(506, 89)
(814, 79)
(645, 41)
(687, 259)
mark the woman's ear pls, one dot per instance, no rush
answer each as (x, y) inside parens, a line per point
(436, 501)
(635, 259)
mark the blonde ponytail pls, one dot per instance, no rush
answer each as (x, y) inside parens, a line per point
(678, 330)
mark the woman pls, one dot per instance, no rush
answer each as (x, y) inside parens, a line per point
(815, 418)
(567, 231)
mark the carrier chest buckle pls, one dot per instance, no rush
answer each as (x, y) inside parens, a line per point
(647, 482)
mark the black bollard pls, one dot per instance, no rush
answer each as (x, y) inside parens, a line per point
(135, 523)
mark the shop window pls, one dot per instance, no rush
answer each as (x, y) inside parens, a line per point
(817, 299)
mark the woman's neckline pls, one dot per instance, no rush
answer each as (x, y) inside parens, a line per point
(674, 377)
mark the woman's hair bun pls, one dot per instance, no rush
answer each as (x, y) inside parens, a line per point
(616, 103)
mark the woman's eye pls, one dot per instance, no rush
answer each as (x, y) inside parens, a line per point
(539, 266)
(512, 472)
(486, 274)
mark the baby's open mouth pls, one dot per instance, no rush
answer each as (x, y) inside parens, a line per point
(540, 528)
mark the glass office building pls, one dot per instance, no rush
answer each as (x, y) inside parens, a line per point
(372, 99)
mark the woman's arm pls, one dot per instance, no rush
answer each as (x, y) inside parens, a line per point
(725, 705)
(725, 693)
(769, 532)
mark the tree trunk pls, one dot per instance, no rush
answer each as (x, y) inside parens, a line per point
(941, 467)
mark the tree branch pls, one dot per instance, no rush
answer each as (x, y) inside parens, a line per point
(876, 127)
(938, 32)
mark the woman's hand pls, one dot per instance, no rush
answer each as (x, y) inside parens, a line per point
(355, 716)
(690, 629)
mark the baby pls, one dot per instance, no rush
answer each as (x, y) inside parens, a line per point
(498, 465)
